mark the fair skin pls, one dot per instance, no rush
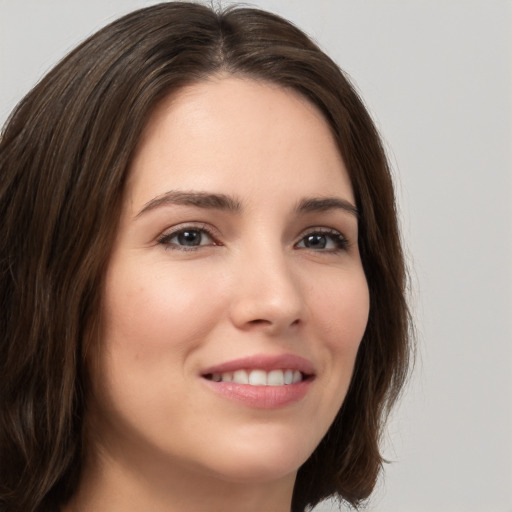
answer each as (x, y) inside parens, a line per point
(237, 241)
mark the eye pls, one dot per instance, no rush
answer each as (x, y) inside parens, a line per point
(187, 238)
(323, 240)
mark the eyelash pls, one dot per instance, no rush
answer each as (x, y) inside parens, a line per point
(339, 241)
(165, 239)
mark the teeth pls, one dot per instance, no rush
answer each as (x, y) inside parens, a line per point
(288, 376)
(226, 377)
(275, 378)
(240, 377)
(260, 377)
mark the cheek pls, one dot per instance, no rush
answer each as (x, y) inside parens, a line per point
(158, 310)
(341, 307)
(152, 322)
(340, 318)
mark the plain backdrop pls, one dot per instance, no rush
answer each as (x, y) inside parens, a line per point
(437, 77)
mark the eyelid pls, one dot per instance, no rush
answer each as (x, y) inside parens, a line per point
(342, 244)
(191, 226)
(339, 239)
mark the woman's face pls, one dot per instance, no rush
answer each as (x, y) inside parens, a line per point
(235, 298)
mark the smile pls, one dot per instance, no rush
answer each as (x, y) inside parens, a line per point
(258, 377)
(262, 381)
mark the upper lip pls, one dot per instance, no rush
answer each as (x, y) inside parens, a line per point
(264, 362)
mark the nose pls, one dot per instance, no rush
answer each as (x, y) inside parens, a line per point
(266, 294)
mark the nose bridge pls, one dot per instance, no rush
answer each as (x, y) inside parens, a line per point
(267, 292)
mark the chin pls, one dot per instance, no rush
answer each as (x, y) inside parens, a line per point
(260, 462)
(257, 472)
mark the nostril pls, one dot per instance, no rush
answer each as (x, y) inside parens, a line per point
(259, 321)
(262, 321)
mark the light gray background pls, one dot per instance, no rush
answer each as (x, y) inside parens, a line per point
(437, 76)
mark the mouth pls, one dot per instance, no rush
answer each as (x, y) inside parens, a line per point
(261, 381)
(260, 377)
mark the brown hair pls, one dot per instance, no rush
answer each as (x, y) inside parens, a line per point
(64, 155)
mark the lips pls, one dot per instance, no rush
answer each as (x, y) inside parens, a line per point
(261, 381)
(263, 362)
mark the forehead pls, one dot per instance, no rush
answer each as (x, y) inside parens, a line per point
(229, 134)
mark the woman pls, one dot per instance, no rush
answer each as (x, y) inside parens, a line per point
(202, 279)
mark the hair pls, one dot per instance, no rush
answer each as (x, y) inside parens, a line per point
(64, 156)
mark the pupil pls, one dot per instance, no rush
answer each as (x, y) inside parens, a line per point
(189, 238)
(316, 241)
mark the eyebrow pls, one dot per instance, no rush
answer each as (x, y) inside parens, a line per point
(198, 199)
(322, 204)
(224, 202)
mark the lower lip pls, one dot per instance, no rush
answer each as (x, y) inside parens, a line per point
(261, 397)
